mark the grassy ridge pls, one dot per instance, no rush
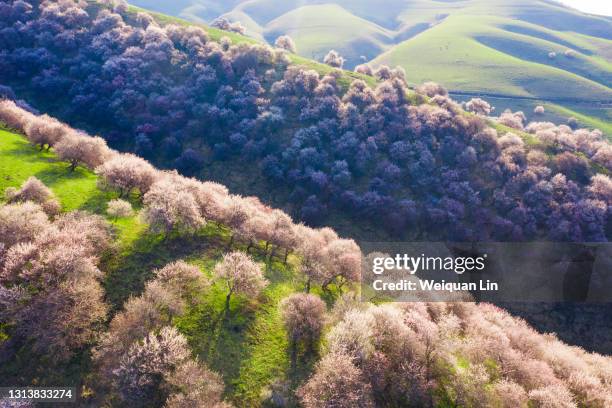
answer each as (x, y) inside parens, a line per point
(585, 119)
(320, 28)
(76, 190)
(247, 345)
(456, 54)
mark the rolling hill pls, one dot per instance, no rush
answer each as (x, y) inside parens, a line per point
(258, 119)
(326, 148)
(530, 51)
(247, 342)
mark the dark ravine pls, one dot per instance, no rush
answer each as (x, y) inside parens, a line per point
(587, 325)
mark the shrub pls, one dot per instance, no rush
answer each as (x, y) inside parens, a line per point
(364, 69)
(224, 24)
(431, 89)
(286, 43)
(333, 59)
(478, 106)
(511, 119)
(570, 53)
(119, 209)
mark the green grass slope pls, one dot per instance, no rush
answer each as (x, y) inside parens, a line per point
(19, 160)
(247, 345)
(472, 53)
(317, 29)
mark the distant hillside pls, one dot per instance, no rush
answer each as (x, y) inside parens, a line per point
(530, 49)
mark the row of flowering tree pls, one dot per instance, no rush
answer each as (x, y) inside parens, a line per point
(176, 204)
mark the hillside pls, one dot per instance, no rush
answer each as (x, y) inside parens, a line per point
(138, 267)
(488, 48)
(246, 344)
(319, 28)
(164, 325)
(372, 158)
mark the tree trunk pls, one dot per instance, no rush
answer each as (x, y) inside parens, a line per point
(286, 256)
(271, 255)
(307, 288)
(231, 241)
(324, 286)
(227, 301)
(293, 354)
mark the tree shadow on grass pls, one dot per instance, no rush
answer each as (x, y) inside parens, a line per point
(30, 153)
(59, 173)
(218, 335)
(299, 372)
(240, 343)
(130, 268)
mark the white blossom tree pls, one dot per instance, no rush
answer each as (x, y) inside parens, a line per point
(241, 274)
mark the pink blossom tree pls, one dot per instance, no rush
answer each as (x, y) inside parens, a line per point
(333, 59)
(82, 150)
(15, 117)
(119, 209)
(21, 222)
(168, 207)
(45, 131)
(194, 385)
(286, 43)
(34, 190)
(241, 275)
(337, 382)
(304, 316)
(144, 367)
(126, 172)
(479, 107)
